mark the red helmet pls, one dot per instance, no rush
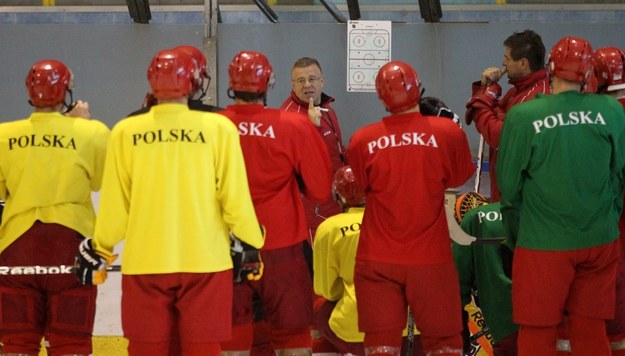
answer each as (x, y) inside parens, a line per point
(345, 189)
(398, 86)
(47, 82)
(250, 72)
(200, 62)
(171, 74)
(609, 63)
(571, 59)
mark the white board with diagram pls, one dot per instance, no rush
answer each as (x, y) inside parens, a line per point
(368, 49)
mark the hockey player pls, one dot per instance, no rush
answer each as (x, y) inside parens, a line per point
(480, 267)
(524, 63)
(334, 253)
(561, 163)
(404, 164)
(175, 184)
(285, 158)
(609, 72)
(200, 82)
(49, 166)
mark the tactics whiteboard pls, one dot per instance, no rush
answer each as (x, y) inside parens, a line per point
(368, 49)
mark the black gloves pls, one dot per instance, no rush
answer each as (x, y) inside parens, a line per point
(90, 265)
(246, 261)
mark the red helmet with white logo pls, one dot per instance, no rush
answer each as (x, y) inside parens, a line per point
(171, 74)
(609, 63)
(345, 189)
(250, 72)
(571, 59)
(201, 64)
(47, 82)
(398, 86)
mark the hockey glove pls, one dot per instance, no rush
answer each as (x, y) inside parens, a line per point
(246, 261)
(506, 255)
(90, 265)
(434, 106)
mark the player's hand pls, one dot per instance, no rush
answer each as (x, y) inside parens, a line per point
(491, 75)
(314, 113)
(246, 260)
(90, 265)
(79, 109)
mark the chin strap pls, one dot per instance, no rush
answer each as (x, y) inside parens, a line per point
(204, 86)
(71, 105)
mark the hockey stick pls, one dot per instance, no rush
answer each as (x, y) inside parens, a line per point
(45, 270)
(455, 231)
(479, 334)
(410, 336)
(480, 158)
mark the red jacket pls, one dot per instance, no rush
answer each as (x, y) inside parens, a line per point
(330, 132)
(488, 112)
(284, 159)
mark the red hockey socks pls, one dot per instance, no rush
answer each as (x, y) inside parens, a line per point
(537, 341)
(588, 336)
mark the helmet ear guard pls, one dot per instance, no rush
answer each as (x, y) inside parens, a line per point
(272, 80)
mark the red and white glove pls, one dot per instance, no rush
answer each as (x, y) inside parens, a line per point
(487, 99)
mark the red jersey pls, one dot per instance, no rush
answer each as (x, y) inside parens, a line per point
(405, 163)
(489, 120)
(284, 158)
(330, 132)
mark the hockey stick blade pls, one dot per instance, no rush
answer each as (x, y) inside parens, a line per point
(45, 270)
(455, 231)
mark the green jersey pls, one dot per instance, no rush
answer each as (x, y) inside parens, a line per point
(480, 267)
(560, 169)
